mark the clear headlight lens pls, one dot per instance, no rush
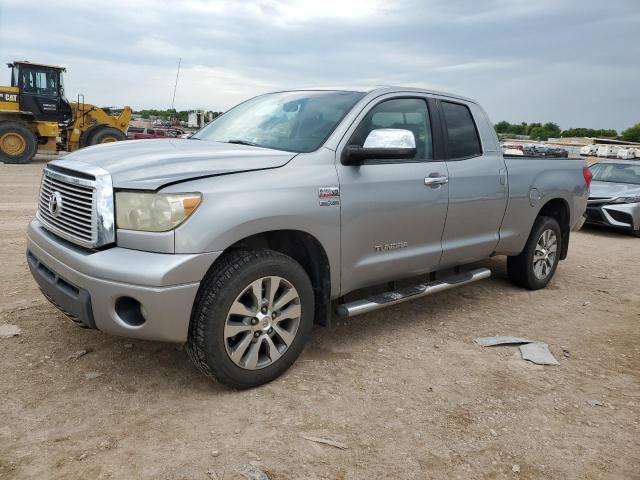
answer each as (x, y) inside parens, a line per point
(154, 212)
(635, 199)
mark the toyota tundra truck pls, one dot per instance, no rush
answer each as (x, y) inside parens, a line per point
(290, 209)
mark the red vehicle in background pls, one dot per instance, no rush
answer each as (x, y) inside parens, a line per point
(140, 133)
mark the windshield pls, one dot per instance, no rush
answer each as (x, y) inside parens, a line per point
(616, 173)
(291, 121)
(39, 80)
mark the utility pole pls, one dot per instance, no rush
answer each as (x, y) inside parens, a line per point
(176, 85)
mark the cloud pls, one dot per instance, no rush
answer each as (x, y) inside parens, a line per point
(572, 62)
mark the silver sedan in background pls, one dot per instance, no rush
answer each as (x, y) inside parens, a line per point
(614, 199)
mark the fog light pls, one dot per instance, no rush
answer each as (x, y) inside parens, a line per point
(130, 311)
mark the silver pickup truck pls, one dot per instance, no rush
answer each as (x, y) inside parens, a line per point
(290, 208)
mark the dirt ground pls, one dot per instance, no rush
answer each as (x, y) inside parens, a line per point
(405, 389)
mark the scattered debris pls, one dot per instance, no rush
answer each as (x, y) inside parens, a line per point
(596, 403)
(493, 432)
(515, 468)
(538, 353)
(8, 330)
(215, 453)
(252, 472)
(92, 375)
(254, 456)
(82, 457)
(500, 340)
(78, 354)
(128, 346)
(565, 351)
(586, 304)
(332, 443)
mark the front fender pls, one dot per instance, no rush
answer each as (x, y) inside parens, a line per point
(241, 205)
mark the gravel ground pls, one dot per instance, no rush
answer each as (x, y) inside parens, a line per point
(405, 389)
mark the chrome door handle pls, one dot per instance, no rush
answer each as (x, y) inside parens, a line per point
(435, 181)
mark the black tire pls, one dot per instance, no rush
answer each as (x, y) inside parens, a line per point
(85, 137)
(18, 144)
(223, 284)
(106, 135)
(520, 268)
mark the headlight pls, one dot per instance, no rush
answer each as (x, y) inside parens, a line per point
(635, 199)
(154, 212)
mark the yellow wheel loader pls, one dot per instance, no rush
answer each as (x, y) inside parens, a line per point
(36, 116)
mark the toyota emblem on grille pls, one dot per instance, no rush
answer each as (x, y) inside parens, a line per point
(55, 204)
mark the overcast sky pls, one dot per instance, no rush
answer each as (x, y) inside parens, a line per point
(575, 62)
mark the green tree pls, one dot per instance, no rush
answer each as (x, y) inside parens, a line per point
(502, 127)
(552, 128)
(632, 134)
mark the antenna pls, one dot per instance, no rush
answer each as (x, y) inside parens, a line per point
(176, 85)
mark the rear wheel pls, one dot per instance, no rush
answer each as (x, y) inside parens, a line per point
(106, 135)
(536, 265)
(18, 144)
(251, 318)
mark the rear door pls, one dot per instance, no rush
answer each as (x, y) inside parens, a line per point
(477, 183)
(391, 221)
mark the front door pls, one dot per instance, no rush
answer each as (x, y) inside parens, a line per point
(391, 217)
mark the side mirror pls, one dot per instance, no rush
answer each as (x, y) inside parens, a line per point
(382, 144)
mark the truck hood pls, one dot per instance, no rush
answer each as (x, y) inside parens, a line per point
(151, 164)
(613, 190)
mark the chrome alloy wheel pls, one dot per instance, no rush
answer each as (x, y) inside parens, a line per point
(545, 253)
(262, 323)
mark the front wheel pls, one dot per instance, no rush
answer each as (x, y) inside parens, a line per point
(535, 266)
(252, 317)
(106, 135)
(18, 144)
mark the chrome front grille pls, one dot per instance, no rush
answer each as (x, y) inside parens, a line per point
(67, 206)
(76, 203)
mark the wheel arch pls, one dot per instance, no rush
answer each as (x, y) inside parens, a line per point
(558, 209)
(305, 249)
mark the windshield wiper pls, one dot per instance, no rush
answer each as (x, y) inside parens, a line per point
(238, 141)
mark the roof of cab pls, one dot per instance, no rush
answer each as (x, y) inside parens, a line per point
(380, 90)
(25, 62)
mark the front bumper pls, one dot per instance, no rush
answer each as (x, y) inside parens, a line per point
(98, 288)
(624, 216)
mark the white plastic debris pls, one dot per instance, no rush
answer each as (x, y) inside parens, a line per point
(326, 441)
(7, 330)
(538, 353)
(252, 472)
(501, 340)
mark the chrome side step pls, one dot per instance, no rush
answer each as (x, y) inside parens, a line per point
(387, 299)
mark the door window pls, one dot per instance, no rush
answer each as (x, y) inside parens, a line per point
(403, 113)
(464, 141)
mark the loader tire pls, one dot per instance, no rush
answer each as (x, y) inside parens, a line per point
(106, 135)
(18, 144)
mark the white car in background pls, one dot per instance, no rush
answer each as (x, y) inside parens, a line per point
(626, 153)
(607, 152)
(589, 150)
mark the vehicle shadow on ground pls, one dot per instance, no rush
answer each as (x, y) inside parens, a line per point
(139, 366)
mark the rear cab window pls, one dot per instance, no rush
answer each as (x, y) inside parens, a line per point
(462, 134)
